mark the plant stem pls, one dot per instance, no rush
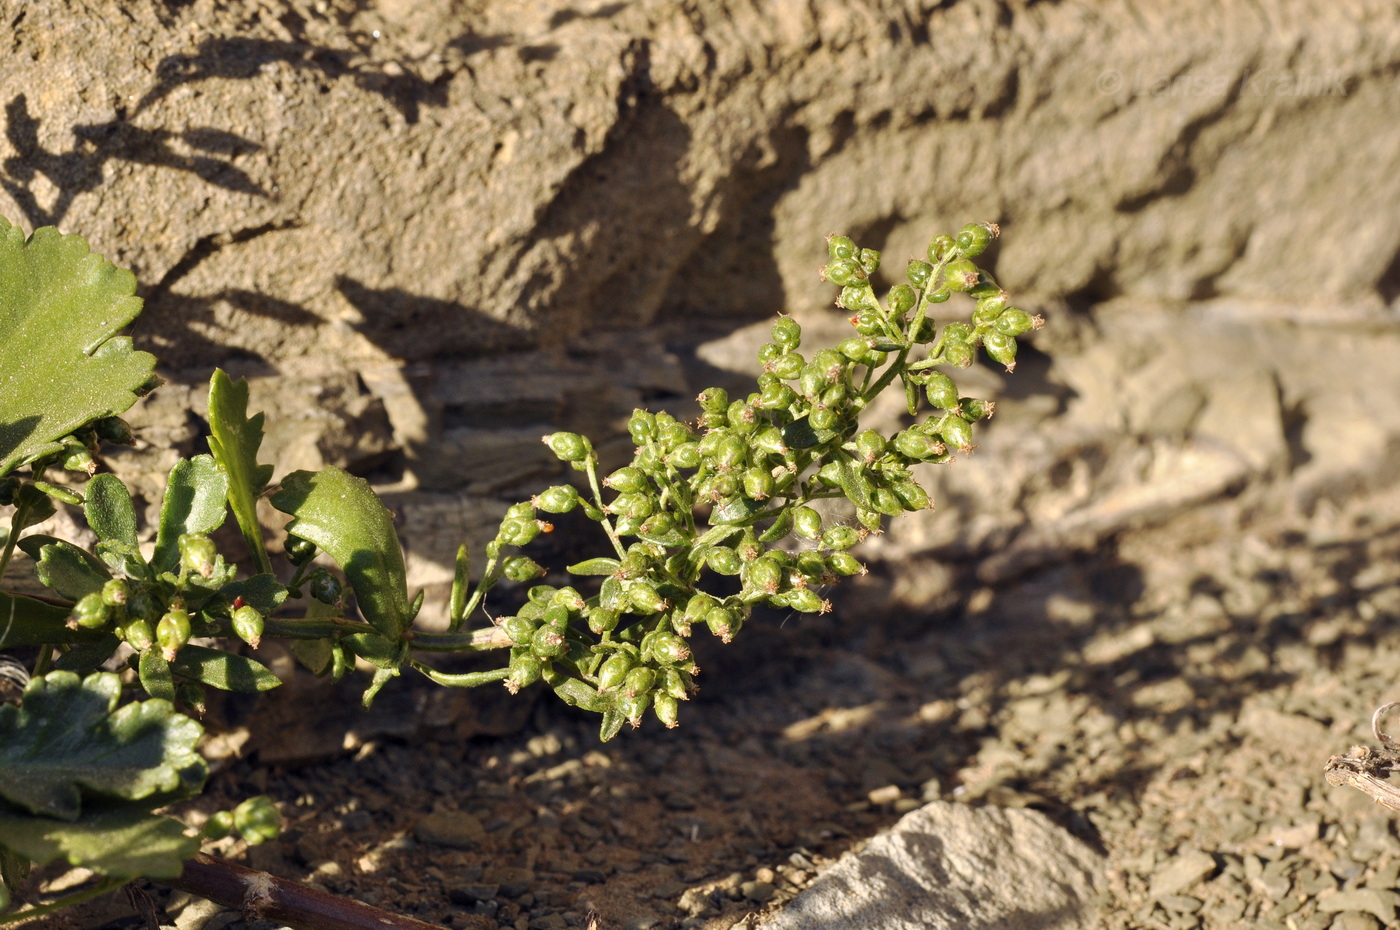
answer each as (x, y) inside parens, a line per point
(261, 896)
(591, 468)
(465, 680)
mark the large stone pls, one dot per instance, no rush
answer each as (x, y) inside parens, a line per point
(949, 865)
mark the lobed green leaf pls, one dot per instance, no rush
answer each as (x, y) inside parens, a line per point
(62, 364)
(123, 841)
(196, 494)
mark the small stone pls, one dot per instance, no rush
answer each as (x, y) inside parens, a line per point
(456, 829)
(1189, 867)
(472, 893)
(1355, 920)
(757, 891)
(1370, 900)
(1180, 903)
(886, 795)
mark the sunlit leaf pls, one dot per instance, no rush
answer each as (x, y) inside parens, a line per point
(62, 363)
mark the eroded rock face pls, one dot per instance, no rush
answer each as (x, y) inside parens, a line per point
(427, 230)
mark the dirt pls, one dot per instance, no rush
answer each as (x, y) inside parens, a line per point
(1170, 698)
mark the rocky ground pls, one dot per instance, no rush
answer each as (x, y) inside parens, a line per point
(1170, 698)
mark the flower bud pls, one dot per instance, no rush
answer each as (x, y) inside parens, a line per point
(520, 630)
(868, 519)
(542, 594)
(974, 409)
(602, 620)
(787, 333)
(843, 563)
(670, 650)
(722, 560)
(758, 483)
(300, 551)
(919, 273)
(116, 592)
(843, 273)
(518, 532)
(661, 528)
(841, 248)
(961, 275)
(762, 575)
(613, 673)
(114, 430)
(666, 708)
(644, 598)
(776, 397)
(857, 298)
(522, 568)
(840, 536)
(90, 613)
(914, 444)
(525, 670)
(173, 632)
(1002, 348)
(1016, 322)
(807, 601)
(939, 247)
(723, 623)
(197, 553)
(78, 458)
(900, 299)
(641, 426)
(939, 296)
(639, 681)
(138, 634)
(633, 707)
(958, 353)
(857, 349)
(568, 598)
(956, 432)
(324, 586)
(561, 498)
(869, 261)
(973, 238)
(548, 643)
(714, 400)
(823, 418)
(870, 445)
(635, 506)
(569, 447)
(912, 495)
(807, 522)
(218, 826)
(248, 624)
(742, 417)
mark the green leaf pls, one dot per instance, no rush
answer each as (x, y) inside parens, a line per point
(264, 592)
(155, 675)
(234, 438)
(599, 566)
(125, 841)
(461, 586)
(70, 736)
(196, 494)
(344, 517)
(62, 566)
(112, 516)
(25, 621)
(854, 484)
(86, 657)
(61, 363)
(224, 670)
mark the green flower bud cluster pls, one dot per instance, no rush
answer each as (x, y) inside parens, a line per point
(708, 504)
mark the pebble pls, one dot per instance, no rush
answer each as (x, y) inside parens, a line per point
(456, 829)
(1370, 900)
(1189, 867)
(757, 891)
(1180, 903)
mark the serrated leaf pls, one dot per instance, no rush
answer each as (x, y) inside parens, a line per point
(61, 363)
(600, 566)
(224, 670)
(234, 438)
(124, 841)
(25, 621)
(69, 737)
(854, 484)
(196, 498)
(344, 517)
(68, 570)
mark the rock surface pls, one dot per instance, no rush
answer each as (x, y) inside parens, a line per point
(951, 866)
(425, 229)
